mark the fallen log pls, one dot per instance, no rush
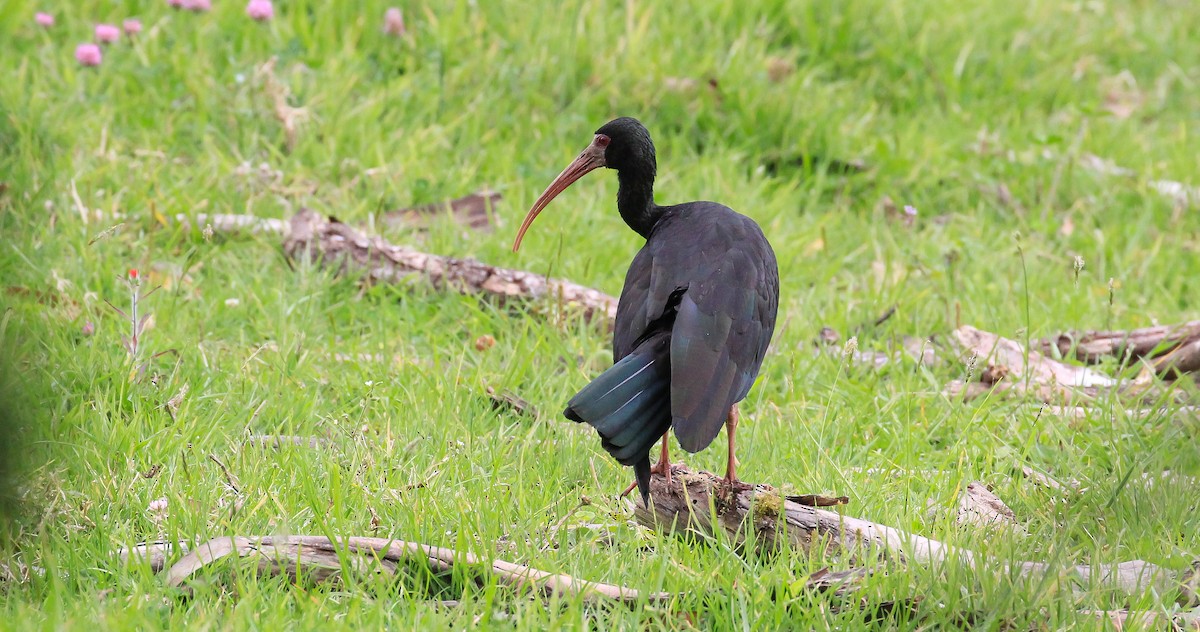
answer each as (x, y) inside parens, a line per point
(1019, 365)
(321, 558)
(1170, 349)
(344, 248)
(1001, 365)
(701, 504)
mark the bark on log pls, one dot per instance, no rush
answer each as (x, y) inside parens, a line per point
(682, 506)
(332, 243)
(1171, 348)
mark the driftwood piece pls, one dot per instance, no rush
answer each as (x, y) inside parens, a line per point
(333, 243)
(1170, 349)
(154, 554)
(320, 558)
(1022, 366)
(472, 211)
(1009, 368)
(682, 506)
(979, 507)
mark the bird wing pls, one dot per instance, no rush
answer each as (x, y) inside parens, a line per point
(715, 285)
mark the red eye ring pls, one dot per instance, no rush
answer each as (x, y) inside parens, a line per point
(602, 140)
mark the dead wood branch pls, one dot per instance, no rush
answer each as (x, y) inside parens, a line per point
(979, 507)
(334, 243)
(1021, 366)
(682, 506)
(343, 247)
(1008, 367)
(1170, 349)
(321, 558)
(155, 554)
(473, 211)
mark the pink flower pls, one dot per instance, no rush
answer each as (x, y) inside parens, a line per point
(44, 19)
(158, 508)
(199, 6)
(107, 33)
(261, 10)
(88, 54)
(132, 26)
(393, 22)
(177, 4)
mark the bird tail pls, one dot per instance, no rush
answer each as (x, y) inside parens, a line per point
(629, 405)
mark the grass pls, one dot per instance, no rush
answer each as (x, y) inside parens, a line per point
(977, 115)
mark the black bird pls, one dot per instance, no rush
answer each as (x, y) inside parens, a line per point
(694, 320)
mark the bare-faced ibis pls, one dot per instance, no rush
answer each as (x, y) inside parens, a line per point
(694, 319)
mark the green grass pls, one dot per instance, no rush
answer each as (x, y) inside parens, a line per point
(946, 103)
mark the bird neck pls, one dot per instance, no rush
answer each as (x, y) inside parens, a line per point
(635, 201)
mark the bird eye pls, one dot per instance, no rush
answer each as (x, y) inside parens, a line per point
(602, 140)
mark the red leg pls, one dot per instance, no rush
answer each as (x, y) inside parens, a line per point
(664, 462)
(730, 427)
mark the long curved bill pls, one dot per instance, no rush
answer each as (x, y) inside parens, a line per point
(591, 158)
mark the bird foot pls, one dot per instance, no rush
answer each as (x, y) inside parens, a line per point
(735, 486)
(660, 468)
(663, 469)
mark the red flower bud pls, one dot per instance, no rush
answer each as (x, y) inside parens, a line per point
(133, 273)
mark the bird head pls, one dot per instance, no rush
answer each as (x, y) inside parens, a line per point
(629, 145)
(619, 144)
